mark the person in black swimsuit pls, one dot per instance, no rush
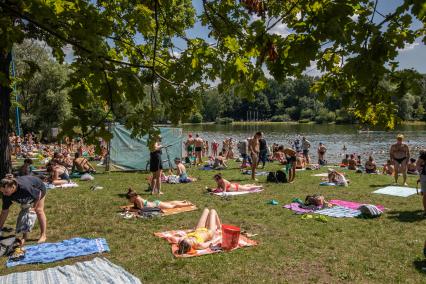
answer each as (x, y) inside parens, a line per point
(28, 191)
(156, 166)
(400, 155)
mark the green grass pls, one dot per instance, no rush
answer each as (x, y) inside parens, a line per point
(387, 249)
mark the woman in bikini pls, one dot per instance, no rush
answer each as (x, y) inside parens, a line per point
(141, 203)
(203, 234)
(225, 186)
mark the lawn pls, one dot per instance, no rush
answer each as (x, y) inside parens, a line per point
(387, 249)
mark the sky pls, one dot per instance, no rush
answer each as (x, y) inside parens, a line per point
(412, 56)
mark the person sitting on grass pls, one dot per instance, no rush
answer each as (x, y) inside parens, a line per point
(337, 178)
(140, 203)
(290, 156)
(300, 162)
(181, 172)
(352, 163)
(225, 186)
(411, 167)
(27, 191)
(345, 161)
(82, 165)
(388, 168)
(220, 162)
(58, 173)
(27, 168)
(203, 234)
(370, 166)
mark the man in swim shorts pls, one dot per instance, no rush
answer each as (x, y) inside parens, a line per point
(400, 155)
(199, 144)
(254, 149)
(306, 145)
(189, 144)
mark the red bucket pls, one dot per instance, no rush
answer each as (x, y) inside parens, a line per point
(230, 236)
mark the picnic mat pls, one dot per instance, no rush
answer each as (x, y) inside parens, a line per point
(50, 252)
(248, 172)
(396, 191)
(339, 212)
(164, 212)
(98, 270)
(320, 175)
(173, 238)
(234, 193)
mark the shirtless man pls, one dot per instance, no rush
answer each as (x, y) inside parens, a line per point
(321, 154)
(189, 145)
(253, 145)
(400, 155)
(305, 148)
(199, 144)
(82, 165)
(290, 155)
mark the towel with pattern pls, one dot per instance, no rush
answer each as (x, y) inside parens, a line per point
(339, 212)
(51, 252)
(173, 238)
(98, 270)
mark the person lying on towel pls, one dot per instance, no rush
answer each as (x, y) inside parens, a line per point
(203, 234)
(30, 193)
(337, 178)
(181, 172)
(224, 185)
(140, 203)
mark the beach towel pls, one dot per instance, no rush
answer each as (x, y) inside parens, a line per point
(173, 238)
(234, 193)
(248, 172)
(50, 252)
(164, 212)
(326, 183)
(351, 204)
(206, 168)
(339, 212)
(298, 210)
(396, 191)
(66, 185)
(98, 270)
(320, 175)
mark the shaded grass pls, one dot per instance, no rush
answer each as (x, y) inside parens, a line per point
(387, 249)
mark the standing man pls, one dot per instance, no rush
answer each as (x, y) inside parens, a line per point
(306, 145)
(400, 155)
(199, 144)
(263, 151)
(243, 149)
(215, 146)
(321, 154)
(189, 145)
(254, 150)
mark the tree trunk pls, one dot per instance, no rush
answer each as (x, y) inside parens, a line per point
(5, 104)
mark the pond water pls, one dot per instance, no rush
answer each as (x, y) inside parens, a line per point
(335, 137)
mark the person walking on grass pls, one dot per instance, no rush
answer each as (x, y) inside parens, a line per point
(400, 155)
(421, 168)
(254, 149)
(30, 193)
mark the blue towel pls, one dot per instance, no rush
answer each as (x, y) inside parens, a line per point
(50, 252)
(339, 212)
(326, 183)
(206, 168)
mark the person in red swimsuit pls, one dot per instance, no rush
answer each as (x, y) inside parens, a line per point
(224, 185)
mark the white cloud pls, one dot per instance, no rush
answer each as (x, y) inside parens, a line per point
(409, 46)
(313, 70)
(280, 29)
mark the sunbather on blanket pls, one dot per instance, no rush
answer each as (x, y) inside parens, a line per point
(224, 185)
(140, 203)
(181, 172)
(58, 173)
(337, 178)
(82, 165)
(204, 232)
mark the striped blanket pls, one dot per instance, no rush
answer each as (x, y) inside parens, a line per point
(98, 270)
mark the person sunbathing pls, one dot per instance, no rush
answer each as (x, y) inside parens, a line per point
(58, 173)
(141, 203)
(412, 167)
(27, 168)
(352, 163)
(203, 234)
(300, 162)
(225, 186)
(388, 168)
(345, 161)
(337, 178)
(370, 166)
(181, 172)
(220, 162)
(82, 165)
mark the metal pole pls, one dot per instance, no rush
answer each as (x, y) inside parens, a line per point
(17, 111)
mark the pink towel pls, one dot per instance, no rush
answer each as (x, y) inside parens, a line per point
(352, 205)
(295, 208)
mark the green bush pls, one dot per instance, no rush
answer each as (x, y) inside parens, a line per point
(224, 120)
(306, 114)
(280, 118)
(325, 116)
(196, 118)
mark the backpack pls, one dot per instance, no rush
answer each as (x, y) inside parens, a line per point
(281, 176)
(272, 177)
(370, 211)
(8, 245)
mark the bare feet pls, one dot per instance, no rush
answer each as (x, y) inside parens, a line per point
(42, 239)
